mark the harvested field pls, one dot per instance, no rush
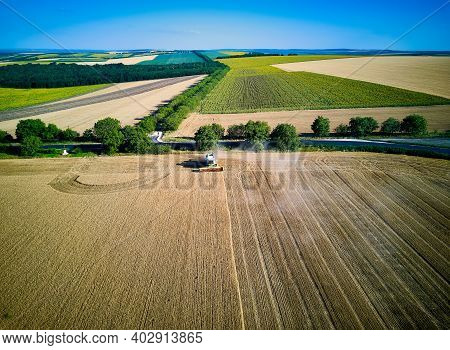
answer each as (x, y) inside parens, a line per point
(125, 61)
(125, 106)
(317, 240)
(430, 75)
(438, 118)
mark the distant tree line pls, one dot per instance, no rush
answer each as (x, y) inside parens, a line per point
(64, 75)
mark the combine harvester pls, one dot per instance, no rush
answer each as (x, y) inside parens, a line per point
(209, 164)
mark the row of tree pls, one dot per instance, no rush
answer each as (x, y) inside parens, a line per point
(63, 75)
(169, 117)
(31, 133)
(257, 135)
(364, 126)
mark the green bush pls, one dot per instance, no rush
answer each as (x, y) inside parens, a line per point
(257, 146)
(30, 127)
(108, 132)
(285, 138)
(219, 130)
(362, 126)
(390, 126)
(321, 126)
(206, 138)
(257, 131)
(69, 135)
(236, 132)
(341, 130)
(51, 133)
(414, 125)
(136, 140)
(31, 145)
(88, 135)
(5, 137)
(152, 148)
(148, 124)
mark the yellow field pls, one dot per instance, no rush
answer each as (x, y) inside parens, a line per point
(316, 240)
(430, 75)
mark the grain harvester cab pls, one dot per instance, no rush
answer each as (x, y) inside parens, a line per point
(210, 159)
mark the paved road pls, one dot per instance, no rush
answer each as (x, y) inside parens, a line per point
(59, 106)
(190, 145)
(375, 143)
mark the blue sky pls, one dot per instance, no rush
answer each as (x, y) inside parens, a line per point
(191, 24)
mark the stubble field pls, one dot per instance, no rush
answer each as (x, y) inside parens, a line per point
(438, 118)
(430, 75)
(316, 240)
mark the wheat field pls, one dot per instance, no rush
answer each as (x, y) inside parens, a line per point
(276, 241)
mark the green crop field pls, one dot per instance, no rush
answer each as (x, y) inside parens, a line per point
(174, 58)
(254, 85)
(213, 54)
(17, 98)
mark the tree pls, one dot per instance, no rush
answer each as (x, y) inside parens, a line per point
(257, 131)
(148, 124)
(30, 127)
(69, 135)
(136, 140)
(51, 133)
(30, 146)
(285, 138)
(219, 130)
(362, 126)
(414, 124)
(108, 132)
(88, 135)
(236, 132)
(341, 129)
(321, 126)
(206, 138)
(390, 126)
(5, 137)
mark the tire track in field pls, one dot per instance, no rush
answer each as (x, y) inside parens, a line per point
(427, 251)
(262, 260)
(366, 314)
(233, 255)
(322, 320)
(387, 269)
(240, 244)
(438, 230)
(365, 255)
(409, 253)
